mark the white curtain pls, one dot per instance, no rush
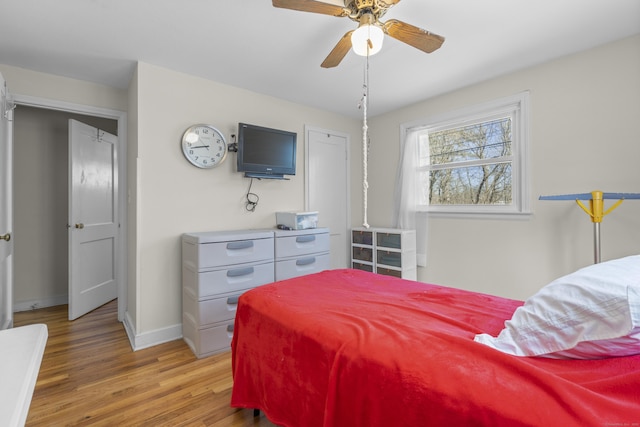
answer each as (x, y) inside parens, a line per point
(405, 213)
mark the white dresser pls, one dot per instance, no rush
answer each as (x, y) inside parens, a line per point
(217, 267)
(300, 252)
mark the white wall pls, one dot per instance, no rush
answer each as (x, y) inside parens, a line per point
(584, 137)
(174, 197)
(32, 83)
(132, 205)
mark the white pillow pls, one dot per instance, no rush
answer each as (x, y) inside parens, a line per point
(589, 314)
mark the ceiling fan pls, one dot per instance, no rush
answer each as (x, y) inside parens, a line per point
(366, 40)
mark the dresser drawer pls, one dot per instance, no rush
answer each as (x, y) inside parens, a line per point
(286, 269)
(232, 279)
(206, 256)
(212, 310)
(293, 246)
(208, 340)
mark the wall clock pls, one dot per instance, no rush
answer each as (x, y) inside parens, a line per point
(204, 146)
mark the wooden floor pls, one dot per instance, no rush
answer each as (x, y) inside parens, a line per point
(90, 376)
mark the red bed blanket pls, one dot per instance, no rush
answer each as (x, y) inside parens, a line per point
(349, 348)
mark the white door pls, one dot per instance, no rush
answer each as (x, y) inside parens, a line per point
(327, 160)
(93, 225)
(6, 208)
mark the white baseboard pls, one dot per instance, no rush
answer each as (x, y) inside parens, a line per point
(137, 341)
(40, 303)
(129, 329)
(151, 338)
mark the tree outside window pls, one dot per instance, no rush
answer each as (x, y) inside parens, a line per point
(467, 165)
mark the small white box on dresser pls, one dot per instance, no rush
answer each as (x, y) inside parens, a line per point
(297, 220)
(217, 267)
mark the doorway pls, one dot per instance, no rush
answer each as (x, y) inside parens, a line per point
(41, 197)
(327, 187)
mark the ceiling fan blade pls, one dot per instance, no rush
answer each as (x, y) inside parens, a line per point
(389, 3)
(414, 36)
(339, 51)
(311, 6)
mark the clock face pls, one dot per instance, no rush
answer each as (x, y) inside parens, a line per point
(204, 146)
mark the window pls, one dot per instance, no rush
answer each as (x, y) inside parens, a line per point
(473, 161)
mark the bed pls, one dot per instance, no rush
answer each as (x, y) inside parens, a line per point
(351, 348)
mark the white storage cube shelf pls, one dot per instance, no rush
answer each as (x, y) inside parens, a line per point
(218, 267)
(388, 251)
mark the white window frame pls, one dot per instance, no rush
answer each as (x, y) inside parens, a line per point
(518, 108)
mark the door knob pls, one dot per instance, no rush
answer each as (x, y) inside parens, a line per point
(80, 226)
(6, 237)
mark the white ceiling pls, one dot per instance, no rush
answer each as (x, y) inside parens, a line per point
(250, 44)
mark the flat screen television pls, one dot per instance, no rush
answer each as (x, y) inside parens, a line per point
(265, 152)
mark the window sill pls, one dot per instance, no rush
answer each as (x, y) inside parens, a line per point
(519, 216)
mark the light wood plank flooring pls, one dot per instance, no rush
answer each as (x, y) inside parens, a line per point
(90, 376)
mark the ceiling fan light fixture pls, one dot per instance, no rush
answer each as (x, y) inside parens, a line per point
(367, 38)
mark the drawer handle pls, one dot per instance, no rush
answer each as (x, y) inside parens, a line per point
(234, 246)
(232, 300)
(306, 261)
(305, 239)
(240, 272)
(230, 328)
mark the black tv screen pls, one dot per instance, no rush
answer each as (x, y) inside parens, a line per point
(265, 152)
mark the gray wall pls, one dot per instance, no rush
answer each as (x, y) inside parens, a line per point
(41, 204)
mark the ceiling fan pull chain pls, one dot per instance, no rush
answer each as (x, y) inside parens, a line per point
(365, 138)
